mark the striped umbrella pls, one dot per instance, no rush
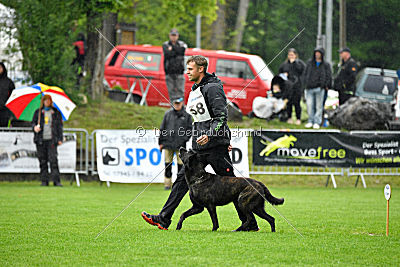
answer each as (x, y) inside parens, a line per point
(25, 100)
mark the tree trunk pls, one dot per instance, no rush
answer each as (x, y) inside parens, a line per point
(219, 28)
(94, 65)
(240, 23)
(109, 31)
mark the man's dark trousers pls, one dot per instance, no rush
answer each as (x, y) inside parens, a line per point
(222, 165)
(47, 152)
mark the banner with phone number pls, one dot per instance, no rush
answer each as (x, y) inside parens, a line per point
(18, 153)
(329, 149)
(133, 156)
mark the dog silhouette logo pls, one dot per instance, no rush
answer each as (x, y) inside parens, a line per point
(110, 156)
(285, 141)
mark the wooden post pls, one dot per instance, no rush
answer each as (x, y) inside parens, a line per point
(387, 191)
(387, 219)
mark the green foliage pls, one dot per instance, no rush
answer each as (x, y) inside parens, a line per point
(57, 226)
(155, 18)
(45, 39)
(373, 32)
(271, 25)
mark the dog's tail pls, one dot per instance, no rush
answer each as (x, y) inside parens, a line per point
(271, 199)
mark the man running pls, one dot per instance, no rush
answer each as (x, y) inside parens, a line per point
(210, 137)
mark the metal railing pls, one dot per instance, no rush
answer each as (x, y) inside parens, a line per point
(82, 140)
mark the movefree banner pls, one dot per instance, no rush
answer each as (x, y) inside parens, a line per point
(330, 149)
(133, 156)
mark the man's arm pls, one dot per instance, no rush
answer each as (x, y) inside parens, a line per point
(351, 73)
(218, 105)
(188, 128)
(179, 48)
(161, 138)
(168, 53)
(328, 72)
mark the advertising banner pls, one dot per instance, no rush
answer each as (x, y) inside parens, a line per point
(330, 149)
(18, 153)
(133, 156)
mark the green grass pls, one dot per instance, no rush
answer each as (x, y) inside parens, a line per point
(57, 226)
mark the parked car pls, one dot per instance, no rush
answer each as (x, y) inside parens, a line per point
(377, 84)
(244, 76)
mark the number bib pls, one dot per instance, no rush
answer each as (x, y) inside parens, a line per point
(196, 106)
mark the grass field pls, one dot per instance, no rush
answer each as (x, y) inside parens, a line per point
(57, 226)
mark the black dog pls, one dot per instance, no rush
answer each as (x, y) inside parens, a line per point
(208, 190)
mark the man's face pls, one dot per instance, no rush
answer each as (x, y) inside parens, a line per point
(178, 105)
(345, 55)
(47, 103)
(194, 72)
(173, 37)
(1, 69)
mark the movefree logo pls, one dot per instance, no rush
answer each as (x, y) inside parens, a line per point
(284, 147)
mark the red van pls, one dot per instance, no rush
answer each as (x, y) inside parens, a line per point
(133, 66)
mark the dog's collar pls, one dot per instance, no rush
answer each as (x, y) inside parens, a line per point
(201, 179)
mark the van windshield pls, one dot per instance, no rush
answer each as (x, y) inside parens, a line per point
(261, 68)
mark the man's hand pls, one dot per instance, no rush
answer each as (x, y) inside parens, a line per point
(169, 48)
(36, 128)
(59, 143)
(202, 140)
(161, 147)
(229, 148)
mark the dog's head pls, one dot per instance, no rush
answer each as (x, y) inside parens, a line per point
(192, 161)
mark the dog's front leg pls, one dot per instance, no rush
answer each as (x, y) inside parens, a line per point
(195, 209)
(213, 214)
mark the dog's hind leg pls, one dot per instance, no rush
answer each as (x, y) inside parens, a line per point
(195, 209)
(260, 211)
(253, 223)
(213, 214)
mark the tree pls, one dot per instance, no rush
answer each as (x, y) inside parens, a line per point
(44, 36)
(240, 23)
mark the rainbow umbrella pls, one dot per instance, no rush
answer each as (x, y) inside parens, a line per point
(25, 100)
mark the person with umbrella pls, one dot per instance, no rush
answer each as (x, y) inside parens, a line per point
(47, 125)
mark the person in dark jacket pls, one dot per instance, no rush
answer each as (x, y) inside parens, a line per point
(346, 76)
(174, 57)
(47, 126)
(210, 138)
(317, 79)
(175, 131)
(6, 88)
(294, 67)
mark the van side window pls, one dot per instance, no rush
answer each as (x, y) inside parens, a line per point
(233, 69)
(380, 84)
(114, 58)
(142, 61)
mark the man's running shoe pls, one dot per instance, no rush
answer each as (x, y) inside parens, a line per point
(156, 220)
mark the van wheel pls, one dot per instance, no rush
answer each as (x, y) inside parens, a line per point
(136, 99)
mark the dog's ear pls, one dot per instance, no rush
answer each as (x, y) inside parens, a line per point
(182, 152)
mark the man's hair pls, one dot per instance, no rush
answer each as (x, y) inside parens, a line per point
(200, 61)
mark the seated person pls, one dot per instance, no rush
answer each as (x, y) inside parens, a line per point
(275, 103)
